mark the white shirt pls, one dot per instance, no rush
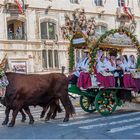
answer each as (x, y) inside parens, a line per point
(101, 66)
(85, 64)
(109, 66)
(131, 65)
(122, 66)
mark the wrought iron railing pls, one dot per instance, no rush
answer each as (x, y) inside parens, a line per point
(16, 36)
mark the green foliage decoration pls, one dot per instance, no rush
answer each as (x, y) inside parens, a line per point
(95, 47)
(1, 72)
(71, 57)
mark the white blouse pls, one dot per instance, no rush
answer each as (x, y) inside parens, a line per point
(85, 65)
(101, 66)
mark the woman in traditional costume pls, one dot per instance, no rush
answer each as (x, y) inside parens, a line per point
(104, 75)
(129, 81)
(111, 63)
(132, 63)
(84, 80)
(124, 62)
(101, 65)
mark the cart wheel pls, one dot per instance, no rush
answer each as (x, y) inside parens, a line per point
(87, 103)
(106, 102)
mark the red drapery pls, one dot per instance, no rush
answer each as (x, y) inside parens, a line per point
(19, 7)
(126, 9)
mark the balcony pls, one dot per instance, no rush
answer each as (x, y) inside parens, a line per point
(12, 7)
(12, 2)
(16, 30)
(9, 2)
(15, 36)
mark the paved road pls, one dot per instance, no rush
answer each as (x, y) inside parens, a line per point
(123, 123)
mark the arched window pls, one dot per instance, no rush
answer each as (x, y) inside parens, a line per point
(48, 30)
(100, 29)
(16, 30)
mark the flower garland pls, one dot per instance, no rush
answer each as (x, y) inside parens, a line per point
(94, 48)
(1, 73)
(71, 57)
(3, 79)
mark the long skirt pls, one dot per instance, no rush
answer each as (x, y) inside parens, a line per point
(129, 82)
(84, 80)
(105, 81)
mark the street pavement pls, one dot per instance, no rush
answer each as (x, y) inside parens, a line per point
(122, 124)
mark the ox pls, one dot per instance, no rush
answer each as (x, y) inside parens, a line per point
(54, 108)
(7, 111)
(34, 89)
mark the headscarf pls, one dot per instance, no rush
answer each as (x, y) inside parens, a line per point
(99, 55)
(131, 64)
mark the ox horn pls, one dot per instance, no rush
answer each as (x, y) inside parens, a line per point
(3, 62)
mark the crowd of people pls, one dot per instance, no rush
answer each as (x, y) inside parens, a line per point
(116, 65)
(106, 63)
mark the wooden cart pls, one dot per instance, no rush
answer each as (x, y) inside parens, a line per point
(103, 99)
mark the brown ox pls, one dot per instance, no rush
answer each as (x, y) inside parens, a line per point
(54, 108)
(7, 111)
(26, 90)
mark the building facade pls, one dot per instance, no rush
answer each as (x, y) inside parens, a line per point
(33, 41)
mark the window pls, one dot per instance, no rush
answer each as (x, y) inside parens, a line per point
(44, 31)
(50, 59)
(44, 58)
(16, 30)
(56, 58)
(74, 1)
(98, 2)
(121, 3)
(78, 55)
(48, 30)
(100, 29)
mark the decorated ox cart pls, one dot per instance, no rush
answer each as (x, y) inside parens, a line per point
(104, 97)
